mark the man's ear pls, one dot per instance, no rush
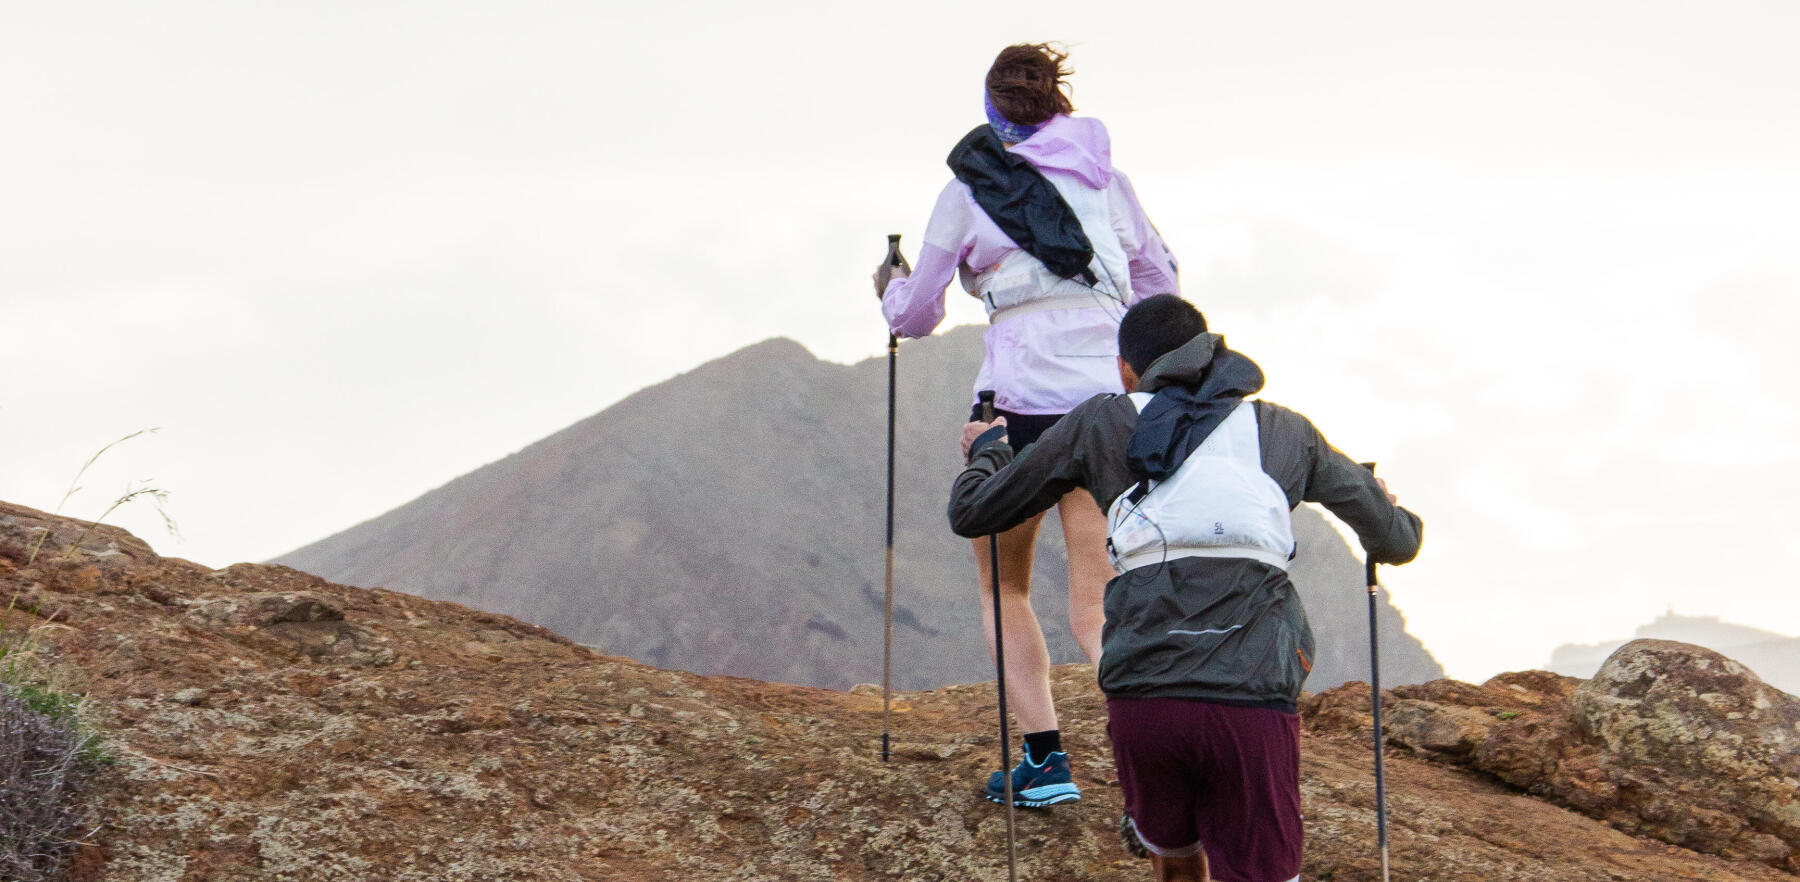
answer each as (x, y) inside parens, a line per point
(1127, 376)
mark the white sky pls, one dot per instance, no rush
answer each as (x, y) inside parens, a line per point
(1539, 259)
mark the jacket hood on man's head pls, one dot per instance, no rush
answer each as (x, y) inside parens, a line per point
(1194, 388)
(1184, 365)
(1077, 145)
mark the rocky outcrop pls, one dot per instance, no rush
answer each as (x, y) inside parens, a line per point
(1667, 740)
(450, 744)
(1696, 750)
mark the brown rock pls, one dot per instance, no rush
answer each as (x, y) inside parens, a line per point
(1526, 752)
(263, 609)
(1537, 689)
(1431, 728)
(1454, 692)
(1345, 709)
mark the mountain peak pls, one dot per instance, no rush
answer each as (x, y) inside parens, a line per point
(752, 489)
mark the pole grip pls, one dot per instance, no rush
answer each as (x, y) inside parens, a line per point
(986, 397)
(1369, 577)
(894, 257)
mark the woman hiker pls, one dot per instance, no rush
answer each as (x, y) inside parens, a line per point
(1050, 237)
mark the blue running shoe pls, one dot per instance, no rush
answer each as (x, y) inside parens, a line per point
(1036, 785)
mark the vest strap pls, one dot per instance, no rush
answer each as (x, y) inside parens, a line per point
(1154, 556)
(1047, 304)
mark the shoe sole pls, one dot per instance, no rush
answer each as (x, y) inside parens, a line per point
(1038, 797)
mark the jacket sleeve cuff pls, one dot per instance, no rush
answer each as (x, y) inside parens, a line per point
(1404, 539)
(989, 438)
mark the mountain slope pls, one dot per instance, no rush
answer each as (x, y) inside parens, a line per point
(730, 520)
(270, 725)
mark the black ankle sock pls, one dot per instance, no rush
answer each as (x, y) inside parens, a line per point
(1039, 745)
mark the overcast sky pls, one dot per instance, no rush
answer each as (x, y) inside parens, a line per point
(1538, 259)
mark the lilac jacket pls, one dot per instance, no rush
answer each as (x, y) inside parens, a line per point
(1041, 360)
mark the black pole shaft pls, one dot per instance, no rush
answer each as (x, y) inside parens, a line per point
(1000, 669)
(893, 259)
(987, 416)
(887, 605)
(1381, 833)
(1375, 700)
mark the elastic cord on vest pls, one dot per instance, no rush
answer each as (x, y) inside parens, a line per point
(1218, 503)
(1151, 557)
(1046, 304)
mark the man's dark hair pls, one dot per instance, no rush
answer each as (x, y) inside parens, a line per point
(1155, 327)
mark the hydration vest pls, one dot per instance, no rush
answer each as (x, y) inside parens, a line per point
(1218, 503)
(1021, 283)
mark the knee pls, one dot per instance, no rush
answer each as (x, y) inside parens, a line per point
(1015, 588)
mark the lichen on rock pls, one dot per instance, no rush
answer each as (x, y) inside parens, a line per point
(1667, 740)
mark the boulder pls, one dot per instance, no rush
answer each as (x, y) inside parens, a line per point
(1668, 740)
(1701, 751)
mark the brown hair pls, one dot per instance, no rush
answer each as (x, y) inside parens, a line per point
(1026, 83)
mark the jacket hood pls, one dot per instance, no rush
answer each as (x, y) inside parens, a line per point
(1185, 365)
(1077, 145)
(1193, 389)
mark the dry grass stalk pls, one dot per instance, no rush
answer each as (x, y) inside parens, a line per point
(138, 490)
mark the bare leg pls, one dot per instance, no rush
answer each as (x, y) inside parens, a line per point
(1027, 659)
(1084, 532)
(1187, 869)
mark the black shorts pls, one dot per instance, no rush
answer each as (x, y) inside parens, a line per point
(1021, 428)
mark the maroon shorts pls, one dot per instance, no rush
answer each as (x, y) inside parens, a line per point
(1202, 776)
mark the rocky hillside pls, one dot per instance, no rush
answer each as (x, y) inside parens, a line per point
(730, 521)
(271, 725)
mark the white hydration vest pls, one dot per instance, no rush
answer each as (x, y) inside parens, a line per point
(1020, 283)
(1219, 503)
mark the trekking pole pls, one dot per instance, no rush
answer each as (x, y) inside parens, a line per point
(987, 416)
(1374, 584)
(894, 258)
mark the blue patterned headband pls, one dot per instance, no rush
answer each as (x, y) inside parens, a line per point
(1009, 131)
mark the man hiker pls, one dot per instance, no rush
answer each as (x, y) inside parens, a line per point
(1205, 644)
